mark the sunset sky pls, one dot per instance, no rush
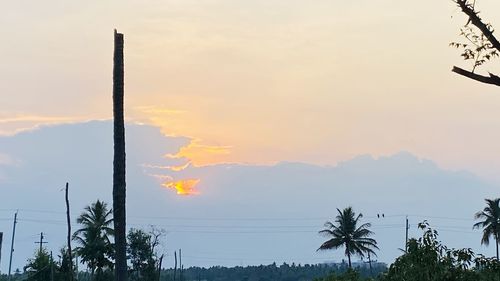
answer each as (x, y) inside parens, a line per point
(260, 108)
(259, 81)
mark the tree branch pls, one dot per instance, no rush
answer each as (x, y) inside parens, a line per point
(492, 79)
(477, 21)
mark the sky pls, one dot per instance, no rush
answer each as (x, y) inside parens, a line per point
(257, 82)
(237, 214)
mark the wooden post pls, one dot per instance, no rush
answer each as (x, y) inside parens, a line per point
(180, 264)
(175, 264)
(119, 189)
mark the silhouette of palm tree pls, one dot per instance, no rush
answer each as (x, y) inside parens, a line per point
(345, 232)
(490, 223)
(94, 237)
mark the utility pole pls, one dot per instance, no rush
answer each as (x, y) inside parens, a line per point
(407, 227)
(12, 244)
(41, 242)
(68, 220)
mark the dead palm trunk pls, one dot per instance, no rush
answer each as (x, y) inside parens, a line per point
(119, 162)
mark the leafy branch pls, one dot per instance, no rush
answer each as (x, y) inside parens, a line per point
(480, 44)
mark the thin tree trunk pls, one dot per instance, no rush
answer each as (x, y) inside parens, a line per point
(497, 244)
(348, 254)
(159, 267)
(68, 220)
(175, 265)
(119, 215)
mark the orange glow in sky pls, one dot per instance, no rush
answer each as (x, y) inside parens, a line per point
(184, 187)
(261, 81)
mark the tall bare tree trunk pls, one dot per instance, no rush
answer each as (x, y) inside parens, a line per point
(119, 215)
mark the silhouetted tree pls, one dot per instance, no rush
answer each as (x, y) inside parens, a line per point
(490, 223)
(38, 268)
(480, 43)
(427, 259)
(95, 247)
(141, 253)
(345, 232)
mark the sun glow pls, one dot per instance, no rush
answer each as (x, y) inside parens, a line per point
(200, 154)
(184, 187)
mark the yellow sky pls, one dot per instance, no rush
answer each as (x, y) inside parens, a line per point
(259, 81)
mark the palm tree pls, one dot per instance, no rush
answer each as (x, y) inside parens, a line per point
(346, 233)
(490, 223)
(95, 247)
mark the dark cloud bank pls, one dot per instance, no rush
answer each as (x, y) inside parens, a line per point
(244, 214)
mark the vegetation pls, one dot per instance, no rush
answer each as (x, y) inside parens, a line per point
(428, 260)
(95, 247)
(273, 272)
(142, 254)
(490, 223)
(39, 267)
(346, 233)
(42, 267)
(349, 275)
(480, 44)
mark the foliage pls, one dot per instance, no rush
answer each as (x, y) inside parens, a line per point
(64, 269)
(477, 46)
(96, 249)
(141, 254)
(429, 260)
(273, 272)
(480, 44)
(490, 223)
(346, 233)
(42, 267)
(38, 268)
(349, 275)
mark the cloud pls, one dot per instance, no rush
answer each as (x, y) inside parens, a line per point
(255, 210)
(7, 160)
(156, 110)
(11, 124)
(202, 154)
(184, 187)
